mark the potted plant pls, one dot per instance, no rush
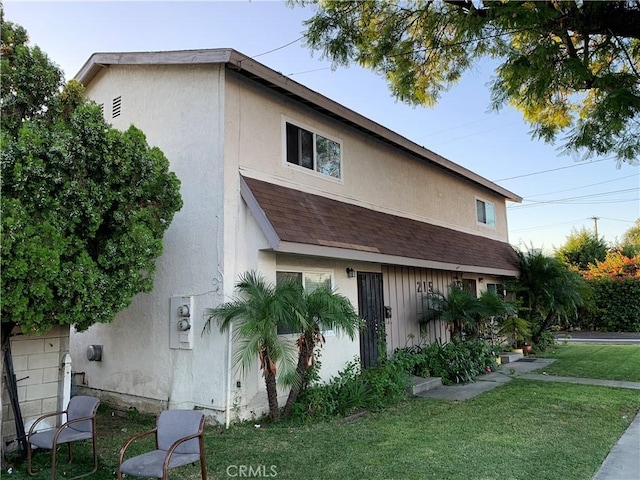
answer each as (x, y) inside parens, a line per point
(517, 330)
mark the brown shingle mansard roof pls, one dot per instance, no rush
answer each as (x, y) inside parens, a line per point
(299, 222)
(243, 65)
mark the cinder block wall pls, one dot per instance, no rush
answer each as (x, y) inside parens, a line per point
(39, 369)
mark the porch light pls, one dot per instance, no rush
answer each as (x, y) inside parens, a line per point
(351, 273)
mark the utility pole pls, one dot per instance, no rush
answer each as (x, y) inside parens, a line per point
(595, 224)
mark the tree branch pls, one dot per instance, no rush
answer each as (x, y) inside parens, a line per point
(626, 53)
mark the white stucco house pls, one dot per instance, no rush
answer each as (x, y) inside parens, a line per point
(278, 178)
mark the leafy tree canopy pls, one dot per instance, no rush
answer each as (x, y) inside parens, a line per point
(582, 249)
(571, 67)
(615, 266)
(632, 235)
(84, 206)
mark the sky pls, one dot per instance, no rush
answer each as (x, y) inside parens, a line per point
(560, 192)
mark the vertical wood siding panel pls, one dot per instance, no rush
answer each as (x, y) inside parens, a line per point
(401, 285)
(390, 281)
(404, 310)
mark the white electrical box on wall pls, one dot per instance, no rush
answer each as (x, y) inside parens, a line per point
(181, 323)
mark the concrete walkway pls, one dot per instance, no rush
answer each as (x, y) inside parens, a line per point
(622, 462)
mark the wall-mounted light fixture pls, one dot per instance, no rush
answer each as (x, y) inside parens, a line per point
(351, 273)
(481, 279)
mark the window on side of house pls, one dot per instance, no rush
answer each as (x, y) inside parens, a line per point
(497, 288)
(313, 151)
(485, 213)
(310, 281)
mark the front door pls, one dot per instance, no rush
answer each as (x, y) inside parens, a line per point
(371, 309)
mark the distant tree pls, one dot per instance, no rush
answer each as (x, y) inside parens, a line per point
(582, 248)
(633, 234)
(630, 245)
(571, 67)
(84, 206)
(615, 266)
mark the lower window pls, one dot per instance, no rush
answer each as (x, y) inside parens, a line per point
(310, 281)
(497, 288)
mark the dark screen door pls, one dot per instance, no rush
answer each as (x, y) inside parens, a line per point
(371, 309)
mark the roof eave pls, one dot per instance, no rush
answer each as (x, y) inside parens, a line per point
(246, 65)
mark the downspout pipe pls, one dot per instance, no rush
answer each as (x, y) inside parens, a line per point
(229, 375)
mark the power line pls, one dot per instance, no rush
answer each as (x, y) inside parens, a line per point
(572, 200)
(578, 188)
(553, 169)
(618, 220)
(473, 134)
(539, 227)
(309, 71)
(277, 48)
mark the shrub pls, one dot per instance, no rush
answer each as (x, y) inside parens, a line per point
(455, 362)
(617, 305)
(353, 389)
(545, 341)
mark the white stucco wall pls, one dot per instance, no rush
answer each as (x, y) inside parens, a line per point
(374, 174)
(214, 125)
(180, 109)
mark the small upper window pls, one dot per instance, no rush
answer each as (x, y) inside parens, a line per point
(485, 213)
(313, 151)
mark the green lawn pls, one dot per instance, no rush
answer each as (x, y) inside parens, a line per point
(522, 430)
(611, 362)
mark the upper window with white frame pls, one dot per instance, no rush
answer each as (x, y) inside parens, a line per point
(485, 213)
(313, 151)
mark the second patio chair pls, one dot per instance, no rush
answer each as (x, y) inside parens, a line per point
(179, 438)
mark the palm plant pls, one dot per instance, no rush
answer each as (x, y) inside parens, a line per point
(318, 310)
(548, 291)
(493, 311)
(460, 309)
(516, 329)
(256, 314)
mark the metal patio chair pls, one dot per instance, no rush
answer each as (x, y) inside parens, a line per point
(179, 438)
(80, 425)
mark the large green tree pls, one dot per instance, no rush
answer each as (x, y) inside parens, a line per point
(582, 248)
(84, 206)
(571, 67)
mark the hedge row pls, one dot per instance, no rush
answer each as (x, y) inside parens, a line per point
(617, 306)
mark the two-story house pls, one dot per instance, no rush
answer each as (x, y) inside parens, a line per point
(280, 179)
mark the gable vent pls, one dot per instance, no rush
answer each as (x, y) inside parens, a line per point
(117, 104)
